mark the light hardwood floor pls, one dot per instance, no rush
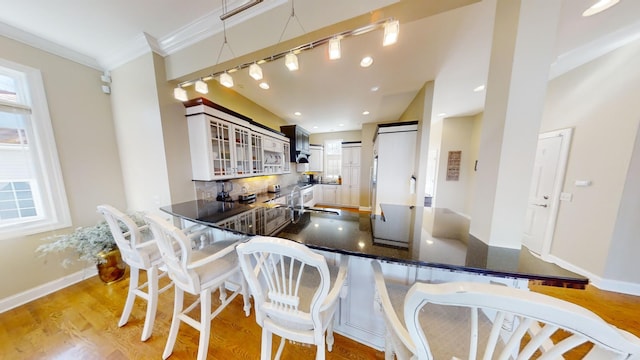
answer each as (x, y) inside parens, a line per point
(80, 322)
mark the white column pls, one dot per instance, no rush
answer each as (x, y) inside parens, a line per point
(523, 43)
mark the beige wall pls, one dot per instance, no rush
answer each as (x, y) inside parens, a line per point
(136, 114)
(457, 135)
(600, 101)
(319, 138)
(85, 138)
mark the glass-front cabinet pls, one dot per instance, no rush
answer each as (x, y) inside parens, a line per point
(226, 145)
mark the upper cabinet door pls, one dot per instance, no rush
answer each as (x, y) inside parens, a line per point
(351, 155)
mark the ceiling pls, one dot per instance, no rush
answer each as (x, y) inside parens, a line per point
(452, 48)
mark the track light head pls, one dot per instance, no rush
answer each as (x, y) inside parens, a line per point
(180, 94)
(226, 80)
(291, 61)
(255, 71)
(391, 31)
(202, 87)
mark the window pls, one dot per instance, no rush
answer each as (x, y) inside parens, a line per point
(332, 159)
(32, 196)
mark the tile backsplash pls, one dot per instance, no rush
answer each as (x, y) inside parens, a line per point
(208, 190)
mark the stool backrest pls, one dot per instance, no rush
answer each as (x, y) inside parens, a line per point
(127, 235)
(524, 321)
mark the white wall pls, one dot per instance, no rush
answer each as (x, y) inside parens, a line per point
(600, 100)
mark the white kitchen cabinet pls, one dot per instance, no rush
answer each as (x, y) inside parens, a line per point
(350, 188)
(330, 194)
(317, 194)
(394, 158)
(351, 154)
(316, 159)
(224, 145)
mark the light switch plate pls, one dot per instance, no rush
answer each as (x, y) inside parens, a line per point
(565, 196)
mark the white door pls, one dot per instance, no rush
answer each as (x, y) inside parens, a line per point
(544, 194)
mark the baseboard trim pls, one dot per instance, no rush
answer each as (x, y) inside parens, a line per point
(364, 208)
(24, 297)
(598, 281)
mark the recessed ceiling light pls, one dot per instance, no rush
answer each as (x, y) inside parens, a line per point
(315, 127)
(479, 88)
(341, 125)
(442, 114)
(297, 113)
(600, 6)
(375, 88)
(264, 85)
(366, 61)
(365, 113)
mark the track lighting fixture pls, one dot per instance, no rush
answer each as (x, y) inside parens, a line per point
(334, 48)
(202, 87)
(391, 30)
(180, 94)
(291, 61)
(255, 71)
(226, 80)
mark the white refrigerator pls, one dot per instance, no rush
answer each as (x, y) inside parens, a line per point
(393, 177)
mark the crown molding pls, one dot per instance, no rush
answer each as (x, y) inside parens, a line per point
(209, 25)
(48, 46)
(594, 49)
(196, 31)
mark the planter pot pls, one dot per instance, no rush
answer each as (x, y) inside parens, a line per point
(113, 269)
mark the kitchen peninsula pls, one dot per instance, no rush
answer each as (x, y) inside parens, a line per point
(365, 237)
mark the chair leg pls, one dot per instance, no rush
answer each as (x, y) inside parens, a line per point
(388, 347)
(329, 337)
(205, 323)
(175, 322)
(245, 297)
(152, 303)
(131, 296)
(223, 293)
(265, 348)
(320, 352)
(280, 348)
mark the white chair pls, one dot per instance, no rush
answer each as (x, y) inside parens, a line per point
(198, 273)
(139, 254)
(443, 324)
(295, 292)
(515, 313)
(389, 299)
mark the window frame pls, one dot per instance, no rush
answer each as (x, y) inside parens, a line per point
(48, 172)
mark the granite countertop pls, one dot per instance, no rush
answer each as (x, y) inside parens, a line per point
(388, 237)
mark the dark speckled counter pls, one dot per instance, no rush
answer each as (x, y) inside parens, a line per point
(388, 238)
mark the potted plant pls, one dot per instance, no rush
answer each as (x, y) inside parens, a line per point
(93, 244)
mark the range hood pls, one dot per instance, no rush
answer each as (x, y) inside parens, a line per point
(299, 142)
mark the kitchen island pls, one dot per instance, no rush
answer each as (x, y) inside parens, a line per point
(405, 254)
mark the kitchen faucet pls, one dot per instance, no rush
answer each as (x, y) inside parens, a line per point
(293, 191)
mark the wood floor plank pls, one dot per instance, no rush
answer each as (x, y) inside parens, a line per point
(81, 322)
